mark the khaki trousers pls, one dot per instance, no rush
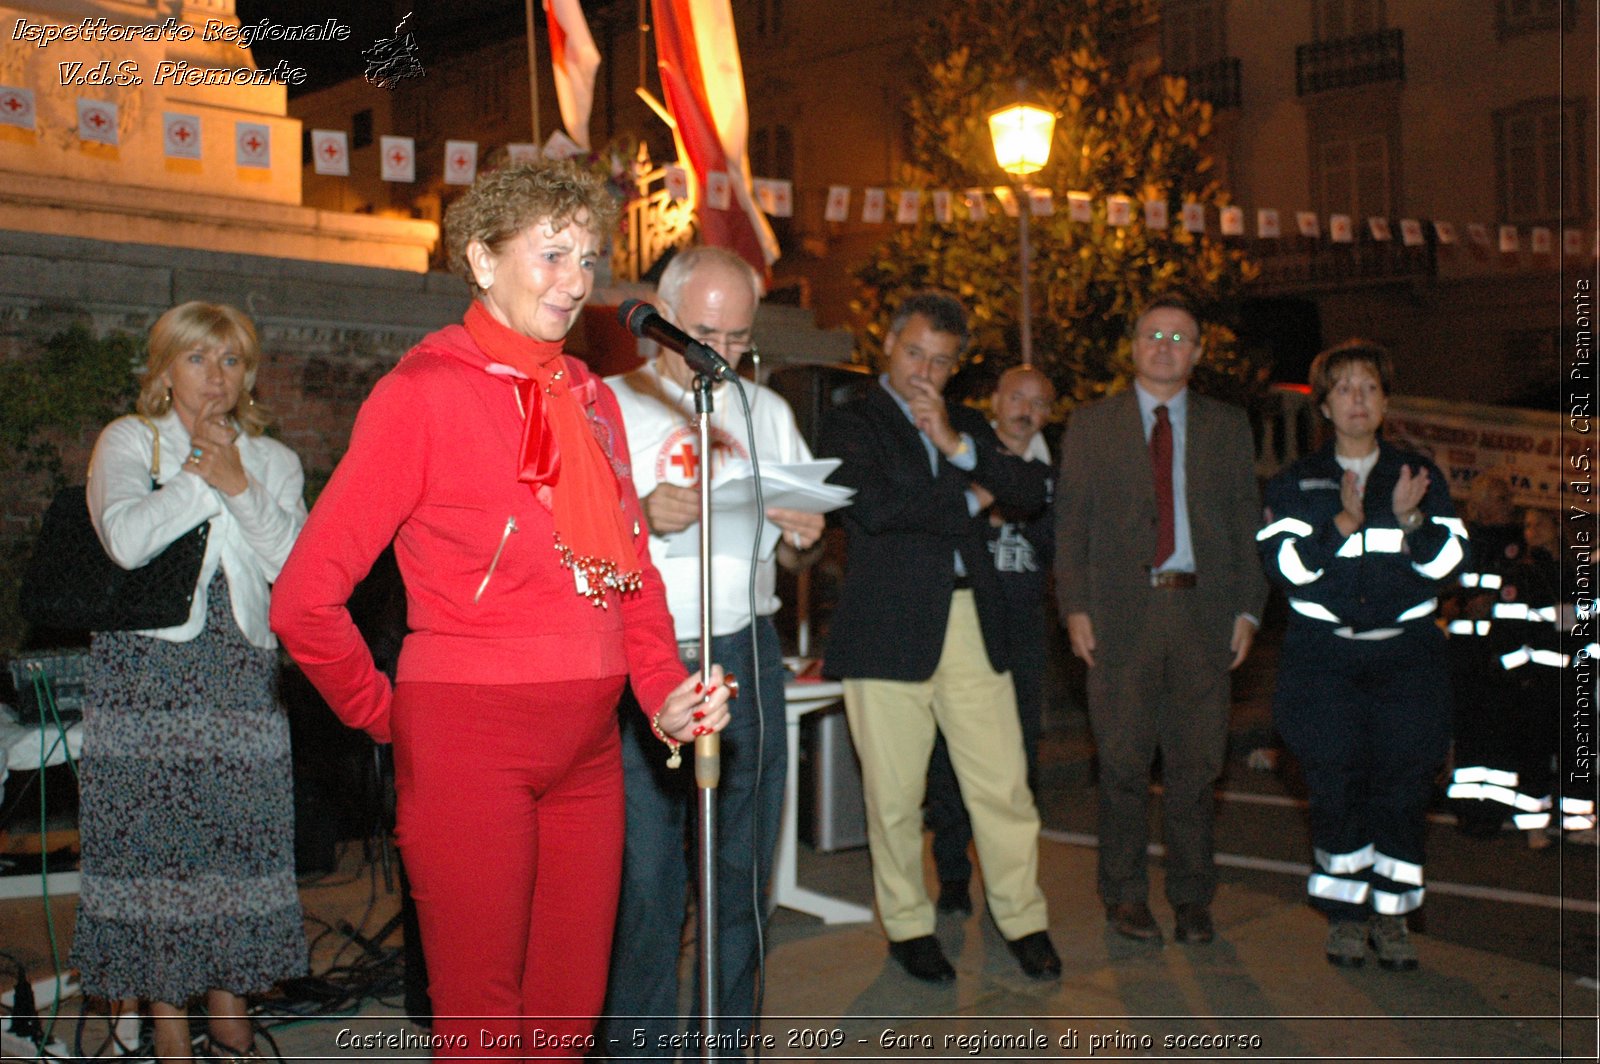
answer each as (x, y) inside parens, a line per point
(893, 725)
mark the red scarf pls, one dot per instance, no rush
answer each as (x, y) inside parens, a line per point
(562, 459)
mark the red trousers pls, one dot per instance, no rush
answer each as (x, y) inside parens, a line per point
(510, 821)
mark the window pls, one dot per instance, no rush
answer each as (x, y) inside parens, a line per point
(1516, 17)
(1191, 34)
(1355, 155)
(1541, 153)
(1334, 20)
(361, 129)
(769, 18)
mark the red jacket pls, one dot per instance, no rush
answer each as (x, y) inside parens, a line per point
(432, 465)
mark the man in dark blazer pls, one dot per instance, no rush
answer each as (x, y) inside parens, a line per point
(919, 635)
(1160, 607)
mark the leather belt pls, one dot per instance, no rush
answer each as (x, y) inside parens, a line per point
(1171, 580)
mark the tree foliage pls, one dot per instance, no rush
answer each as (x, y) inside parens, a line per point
(1129, 132)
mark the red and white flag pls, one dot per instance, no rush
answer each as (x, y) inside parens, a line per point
(1309, 224)
(838, 205)
(1080, 207)
(1041, 202)
(180, 135)
(330, 152)
(1194, 217)
(1231, 221)
(252, 144)
(1411, 233)
(574, 59)
(977, 204)
(1155, 214)
(701, 76)
(1341, 230)
(399, 158)
(942, 212)
(1268, 224)
(16, 107)
(908, 206)
(1119, 211)
(522, 154)
(676, 178)
(97, 121)
(460, 162)
(872, 205)
(719, 190)
(1379, 228)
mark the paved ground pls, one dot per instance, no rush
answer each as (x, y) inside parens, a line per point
(1508, 952)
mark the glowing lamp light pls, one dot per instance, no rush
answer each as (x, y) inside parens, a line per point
(1021, 135)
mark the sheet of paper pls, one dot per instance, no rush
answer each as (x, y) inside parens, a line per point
(735, 522)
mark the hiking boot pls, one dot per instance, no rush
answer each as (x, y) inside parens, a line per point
(1391, 941)
(1347, 944)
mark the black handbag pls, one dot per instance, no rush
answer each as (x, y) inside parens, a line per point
(71, 584)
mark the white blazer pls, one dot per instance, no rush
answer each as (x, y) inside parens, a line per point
(251, 533)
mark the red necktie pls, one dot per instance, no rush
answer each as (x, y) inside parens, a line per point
(1161, 470)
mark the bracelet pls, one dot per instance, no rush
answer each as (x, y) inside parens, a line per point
(674, 758)
(1411, 520)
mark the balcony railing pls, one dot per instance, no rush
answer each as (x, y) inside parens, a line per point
(1216, 83)
(1350, 61)
(1292, 265)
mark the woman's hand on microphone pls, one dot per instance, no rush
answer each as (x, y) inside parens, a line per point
(696, 707)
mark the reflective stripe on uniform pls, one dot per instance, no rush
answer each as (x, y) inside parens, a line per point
(1577, 805)
(1335, 889)
(1484, 774)
(1531, 821)
(1293, 569)
(1315, 610)
(1292, 525)
(1468, 628)
(1384, 540)
(1390, 904)
(1392, 868)
(1448, 558)
(1344, 863)
(1421, 609)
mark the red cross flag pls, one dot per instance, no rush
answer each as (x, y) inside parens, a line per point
(97, 121)
(1194, 217)
(252, 145)
(460, 162)
(677, 182)
(1341, 230)
(782, 198)
(1268, 225)
(1155, 214)
(838, 205)
(719, 191)
(943, 213)
(1411, 232)
(872, 205)
(1119, 210)
(16, 107)
(1310, 225)
(1379, 228)
(180, 135)
(1080, 207)
(330, 152)
(1231, 221)
(522, 154)
(399, 158)
(908, 206)
(977, 205)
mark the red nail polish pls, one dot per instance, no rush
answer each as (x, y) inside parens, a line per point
(699, 716)
(698, 688)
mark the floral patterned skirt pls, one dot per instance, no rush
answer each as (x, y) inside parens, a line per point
(186, 814)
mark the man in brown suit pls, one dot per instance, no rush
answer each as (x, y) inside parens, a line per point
(1159, 587)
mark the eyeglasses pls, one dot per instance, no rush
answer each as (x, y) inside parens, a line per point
(1177, 339)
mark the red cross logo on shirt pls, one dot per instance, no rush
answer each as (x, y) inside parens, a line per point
(181, 132)
(13, 103)
(687, 461)
(254, 143)
(96, 119)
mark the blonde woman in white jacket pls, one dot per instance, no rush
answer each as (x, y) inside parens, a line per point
(187, 810)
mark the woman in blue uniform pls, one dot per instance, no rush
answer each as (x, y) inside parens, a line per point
(1359, 535)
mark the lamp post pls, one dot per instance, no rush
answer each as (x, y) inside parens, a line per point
(1021, 135)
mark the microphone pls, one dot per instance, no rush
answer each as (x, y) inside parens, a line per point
(644, 320)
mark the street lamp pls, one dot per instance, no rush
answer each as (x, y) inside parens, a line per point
(1021, 135)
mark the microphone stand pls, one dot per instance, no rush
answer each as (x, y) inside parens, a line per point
(707, 748)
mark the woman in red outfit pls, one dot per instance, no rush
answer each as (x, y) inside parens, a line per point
(498, 467)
